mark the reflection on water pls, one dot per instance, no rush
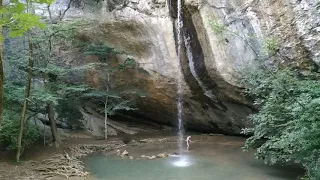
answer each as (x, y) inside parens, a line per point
(189, 167)
(182, 161)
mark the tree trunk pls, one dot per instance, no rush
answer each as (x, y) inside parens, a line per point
(1, 79)
(26, 100)
(105, 111)
(1, 73)
(106, 119)
(55, 135)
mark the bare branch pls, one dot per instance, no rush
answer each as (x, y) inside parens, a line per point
(50, 15)
(61, 16)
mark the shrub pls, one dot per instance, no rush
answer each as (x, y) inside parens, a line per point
(286, 128)
(10, 130)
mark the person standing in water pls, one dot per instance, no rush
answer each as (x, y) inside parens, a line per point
(188, 140)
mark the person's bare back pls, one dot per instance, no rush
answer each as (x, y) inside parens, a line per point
(188, 140)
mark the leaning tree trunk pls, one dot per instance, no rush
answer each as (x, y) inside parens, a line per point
(55, 135)
(26, 100)
(106, 119)
(50, 110)
(1, 73)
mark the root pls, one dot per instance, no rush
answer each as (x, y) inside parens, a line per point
(69, 164)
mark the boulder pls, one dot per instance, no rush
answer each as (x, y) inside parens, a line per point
(45, 130)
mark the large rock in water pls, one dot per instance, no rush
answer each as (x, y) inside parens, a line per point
(212, 62)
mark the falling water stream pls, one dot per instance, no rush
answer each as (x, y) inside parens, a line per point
(179, 93)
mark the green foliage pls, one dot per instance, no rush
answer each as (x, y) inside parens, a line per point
(271, 46)
(66, 33)
(129, 63)
(116, 100)
(217, 27)
(100, 49)
(14, 94)
(48, 80)
(69, 113)
(17, 19)
(286, 129)
(10, 129)
(43, 96)
(51, 82)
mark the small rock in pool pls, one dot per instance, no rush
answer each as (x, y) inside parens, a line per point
(162, 155)
(125, 153)
(152, 157)
(131, 157)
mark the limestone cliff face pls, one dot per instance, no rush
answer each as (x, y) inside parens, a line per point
(212, 61)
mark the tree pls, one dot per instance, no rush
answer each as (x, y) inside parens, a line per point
(55, 87)
(29, 79)
(112, 99)
(286, 128)
(50, 109)
(26, 100)
(1, 72)
(17, 21)
(47, 71)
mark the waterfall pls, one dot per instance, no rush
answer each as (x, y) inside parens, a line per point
(206, 91)
(180, 91)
